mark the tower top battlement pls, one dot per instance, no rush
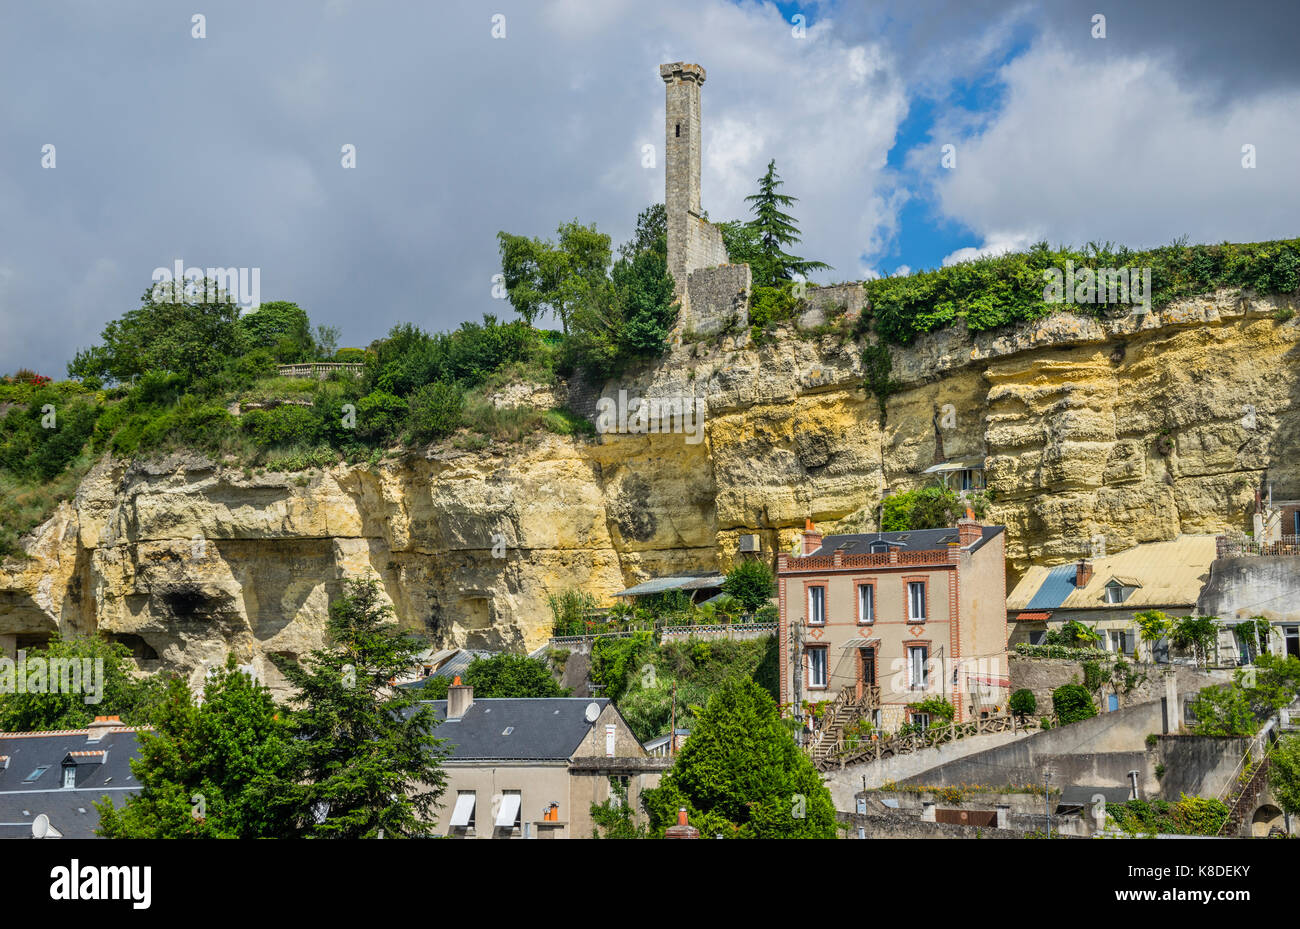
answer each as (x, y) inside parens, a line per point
(679, 71)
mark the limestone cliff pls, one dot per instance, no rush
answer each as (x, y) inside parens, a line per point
(1133, 428)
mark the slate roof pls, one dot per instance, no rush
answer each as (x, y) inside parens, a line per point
(71, 811)
(913, 540)
(541, 728)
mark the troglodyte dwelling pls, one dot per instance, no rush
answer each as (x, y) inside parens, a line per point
(532, 767)
(896, 617)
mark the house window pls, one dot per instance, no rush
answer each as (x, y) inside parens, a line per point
(972, 479)
(1119, 642)
(816, 606)
(508, 814)
(1291, 635)
(921, 720)
(69, 776)
(918, 675)
(875, 719)
(1038, 637)
(610, 734)
(879, 548)
(817, 668)
(462, 817)
(866, 603)
(916, 601)
(1115, 592)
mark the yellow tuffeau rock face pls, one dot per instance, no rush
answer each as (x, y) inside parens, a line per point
(1134, 429)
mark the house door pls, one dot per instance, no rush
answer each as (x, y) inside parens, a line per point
(1112, 703)
(868, 662)
(1292, 634)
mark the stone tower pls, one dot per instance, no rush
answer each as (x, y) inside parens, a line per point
(693, 243)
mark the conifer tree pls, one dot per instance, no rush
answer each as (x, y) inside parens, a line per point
(774, 230)
(365, 760)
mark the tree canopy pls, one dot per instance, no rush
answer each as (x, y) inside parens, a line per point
(741, 775)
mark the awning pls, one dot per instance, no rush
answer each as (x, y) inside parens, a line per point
(961, 464)
(1034, 616)
(509, 811)
(464, 810)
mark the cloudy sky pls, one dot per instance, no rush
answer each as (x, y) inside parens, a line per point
(226, 150)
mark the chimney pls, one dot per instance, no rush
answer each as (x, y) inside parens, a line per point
(460, 697)
(812, 539)
(683, 829)
(102, 726)
(1082, 573)
(968, 529)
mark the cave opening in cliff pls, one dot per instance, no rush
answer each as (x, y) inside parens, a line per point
(138, 646)
(185, 602)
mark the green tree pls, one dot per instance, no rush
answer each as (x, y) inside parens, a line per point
(1153, 625)
(364, 758)
(541, 275)
(1200, 634)
(615, 818)
(934, 507)
(191, 332)
(436, 411)
(1284, 774)
(774, 230)
(111, 682)
(282, 327)
(209, 769)
(501, 676)
(1023, 703)
(750, 582)
(740, 774)
(1072, 703)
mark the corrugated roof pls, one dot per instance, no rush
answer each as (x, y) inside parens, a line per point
(677, 582)
(1169, 574)
(459, 662)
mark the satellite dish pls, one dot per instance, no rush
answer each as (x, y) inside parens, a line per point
(593, 712)
(40, 826)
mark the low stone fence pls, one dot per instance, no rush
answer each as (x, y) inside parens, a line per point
(320, 369)
(732, 631)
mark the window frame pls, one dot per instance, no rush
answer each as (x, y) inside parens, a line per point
(924, 647)
(925, 599)
(809, 588)
(858, 588)
(825, 667)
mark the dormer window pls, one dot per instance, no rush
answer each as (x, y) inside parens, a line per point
(1116, 591)
(69, 776)
(879, 548)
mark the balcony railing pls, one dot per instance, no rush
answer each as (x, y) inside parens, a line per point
(1229, 546)
(873, 560)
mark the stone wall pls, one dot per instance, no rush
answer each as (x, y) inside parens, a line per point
(825, 302)
(1249, 585)
(1044, 675)
(719, 299)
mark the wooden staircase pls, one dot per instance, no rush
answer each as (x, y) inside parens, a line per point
(850, 705)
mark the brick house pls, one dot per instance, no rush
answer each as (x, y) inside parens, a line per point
(897, 616)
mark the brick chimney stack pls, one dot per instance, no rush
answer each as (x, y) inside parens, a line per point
(460, 697)
(1082, 573)
(969, 529)
(683, 829)
(812, 539)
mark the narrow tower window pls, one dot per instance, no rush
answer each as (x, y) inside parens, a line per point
(679, 130)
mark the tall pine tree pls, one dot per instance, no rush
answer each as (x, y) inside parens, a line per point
(364, 758)
(775, 229)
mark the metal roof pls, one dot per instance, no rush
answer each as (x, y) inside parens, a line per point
(677, 582)
(959, 464)
(1056, 586)
(459, 662)
(1166, 574)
